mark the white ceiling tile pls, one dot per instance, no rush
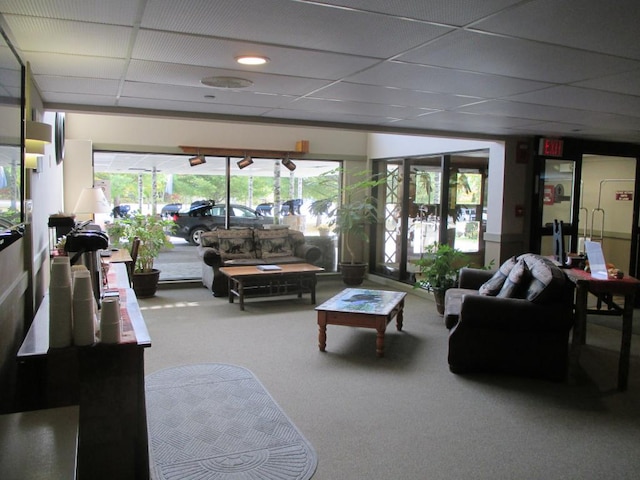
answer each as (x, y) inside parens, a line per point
(453, 12)
(218, 53)
(510, 57)
(443, 80)
(283, 22)
(600, 26)
(77, 38)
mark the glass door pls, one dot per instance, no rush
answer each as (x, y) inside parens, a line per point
(557, 183)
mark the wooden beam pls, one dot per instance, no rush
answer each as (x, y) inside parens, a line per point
(302, 147)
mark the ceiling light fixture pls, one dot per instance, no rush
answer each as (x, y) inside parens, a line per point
(289, 164)
(197, 160)
(245, 162)
(252, 59)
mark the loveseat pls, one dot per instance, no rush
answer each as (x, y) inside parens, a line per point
(514, 320)
(250, 246)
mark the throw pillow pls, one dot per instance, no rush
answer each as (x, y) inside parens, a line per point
(547, 281)
(492, 286)
(274, 243)
(236, 243)
(515, 286)
(209, 239)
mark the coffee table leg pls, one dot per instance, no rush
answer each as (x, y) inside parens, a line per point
(380, 342)
(400, 316)
(241, 294)
(322, 331)
(230, 286)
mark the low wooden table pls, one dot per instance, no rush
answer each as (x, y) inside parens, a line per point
(356, 307)
(294, 278)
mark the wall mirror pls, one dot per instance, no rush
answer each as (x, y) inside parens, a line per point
(11, 120)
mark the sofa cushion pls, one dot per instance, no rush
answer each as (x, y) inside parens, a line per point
(548, 280)
(236, 243)
(517, 283)
(210, 239)
(274, 243)
(493, 286)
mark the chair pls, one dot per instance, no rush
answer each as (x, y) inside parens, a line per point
(131, 266)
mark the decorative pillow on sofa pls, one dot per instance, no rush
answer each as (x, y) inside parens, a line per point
(274, 243)
(236, 243)
(493, 286)
(548, 280)
(210, 239)
(516, 284)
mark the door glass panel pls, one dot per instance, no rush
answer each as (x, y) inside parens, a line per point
(557, 182)
(466, 215)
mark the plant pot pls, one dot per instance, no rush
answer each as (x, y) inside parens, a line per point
(145, 284)
(438, 294)
(353, 273)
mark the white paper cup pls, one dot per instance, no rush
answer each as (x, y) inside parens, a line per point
(82, 287)
(60, 274)
(110, 322)
(83, 322)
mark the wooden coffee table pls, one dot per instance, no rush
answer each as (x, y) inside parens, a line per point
(293, 278)
(356, 307)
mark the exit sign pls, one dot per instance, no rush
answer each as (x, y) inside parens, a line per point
(551, 147)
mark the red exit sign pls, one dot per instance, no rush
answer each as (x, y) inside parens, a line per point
(551, 147)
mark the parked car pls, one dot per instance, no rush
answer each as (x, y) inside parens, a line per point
(204, 216)
(169, 209)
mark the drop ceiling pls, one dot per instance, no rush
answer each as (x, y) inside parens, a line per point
(471, 67)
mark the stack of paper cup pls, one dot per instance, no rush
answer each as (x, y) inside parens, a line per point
(60, 304)
(110, 323)
(84, 319)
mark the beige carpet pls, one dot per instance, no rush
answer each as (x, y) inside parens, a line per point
(405, 416)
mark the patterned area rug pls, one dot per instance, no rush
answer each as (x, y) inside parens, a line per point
(217, 421)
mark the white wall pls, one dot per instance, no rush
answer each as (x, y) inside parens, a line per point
(165, 135)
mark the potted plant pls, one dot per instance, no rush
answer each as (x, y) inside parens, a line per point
(351, 218)
(439, 269)
(152, 230)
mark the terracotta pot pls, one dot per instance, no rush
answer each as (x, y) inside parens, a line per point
(353, 273)
(145, 284)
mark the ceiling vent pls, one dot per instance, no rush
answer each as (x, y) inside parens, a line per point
(226, 82)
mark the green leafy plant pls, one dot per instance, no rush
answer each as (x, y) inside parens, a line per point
(153, 233)
(357, 210)
(440, 266)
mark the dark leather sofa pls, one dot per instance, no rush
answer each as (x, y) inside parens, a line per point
(512, 335)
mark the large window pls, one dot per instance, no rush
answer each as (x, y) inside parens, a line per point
(155, 183)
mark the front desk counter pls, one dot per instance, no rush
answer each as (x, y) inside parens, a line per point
(105, 381)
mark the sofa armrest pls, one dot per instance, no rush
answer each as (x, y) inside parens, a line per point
(473, 278)
(209, 256)
(310, 253)
(513, 314)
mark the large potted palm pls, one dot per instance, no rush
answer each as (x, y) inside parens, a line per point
(351, 218)
(152, 230)
(440, 267)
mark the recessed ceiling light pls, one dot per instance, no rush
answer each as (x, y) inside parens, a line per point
(226, 82)
(252, 59)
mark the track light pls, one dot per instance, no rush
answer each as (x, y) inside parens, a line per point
(289, 164)
(245, 162)
(197, 160)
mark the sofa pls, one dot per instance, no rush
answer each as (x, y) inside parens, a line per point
(515, 320)
(250, 246)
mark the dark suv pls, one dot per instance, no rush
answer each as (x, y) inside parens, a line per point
(203, 216)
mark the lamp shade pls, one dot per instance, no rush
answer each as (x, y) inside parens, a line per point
(36, 135)
(92, 200)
